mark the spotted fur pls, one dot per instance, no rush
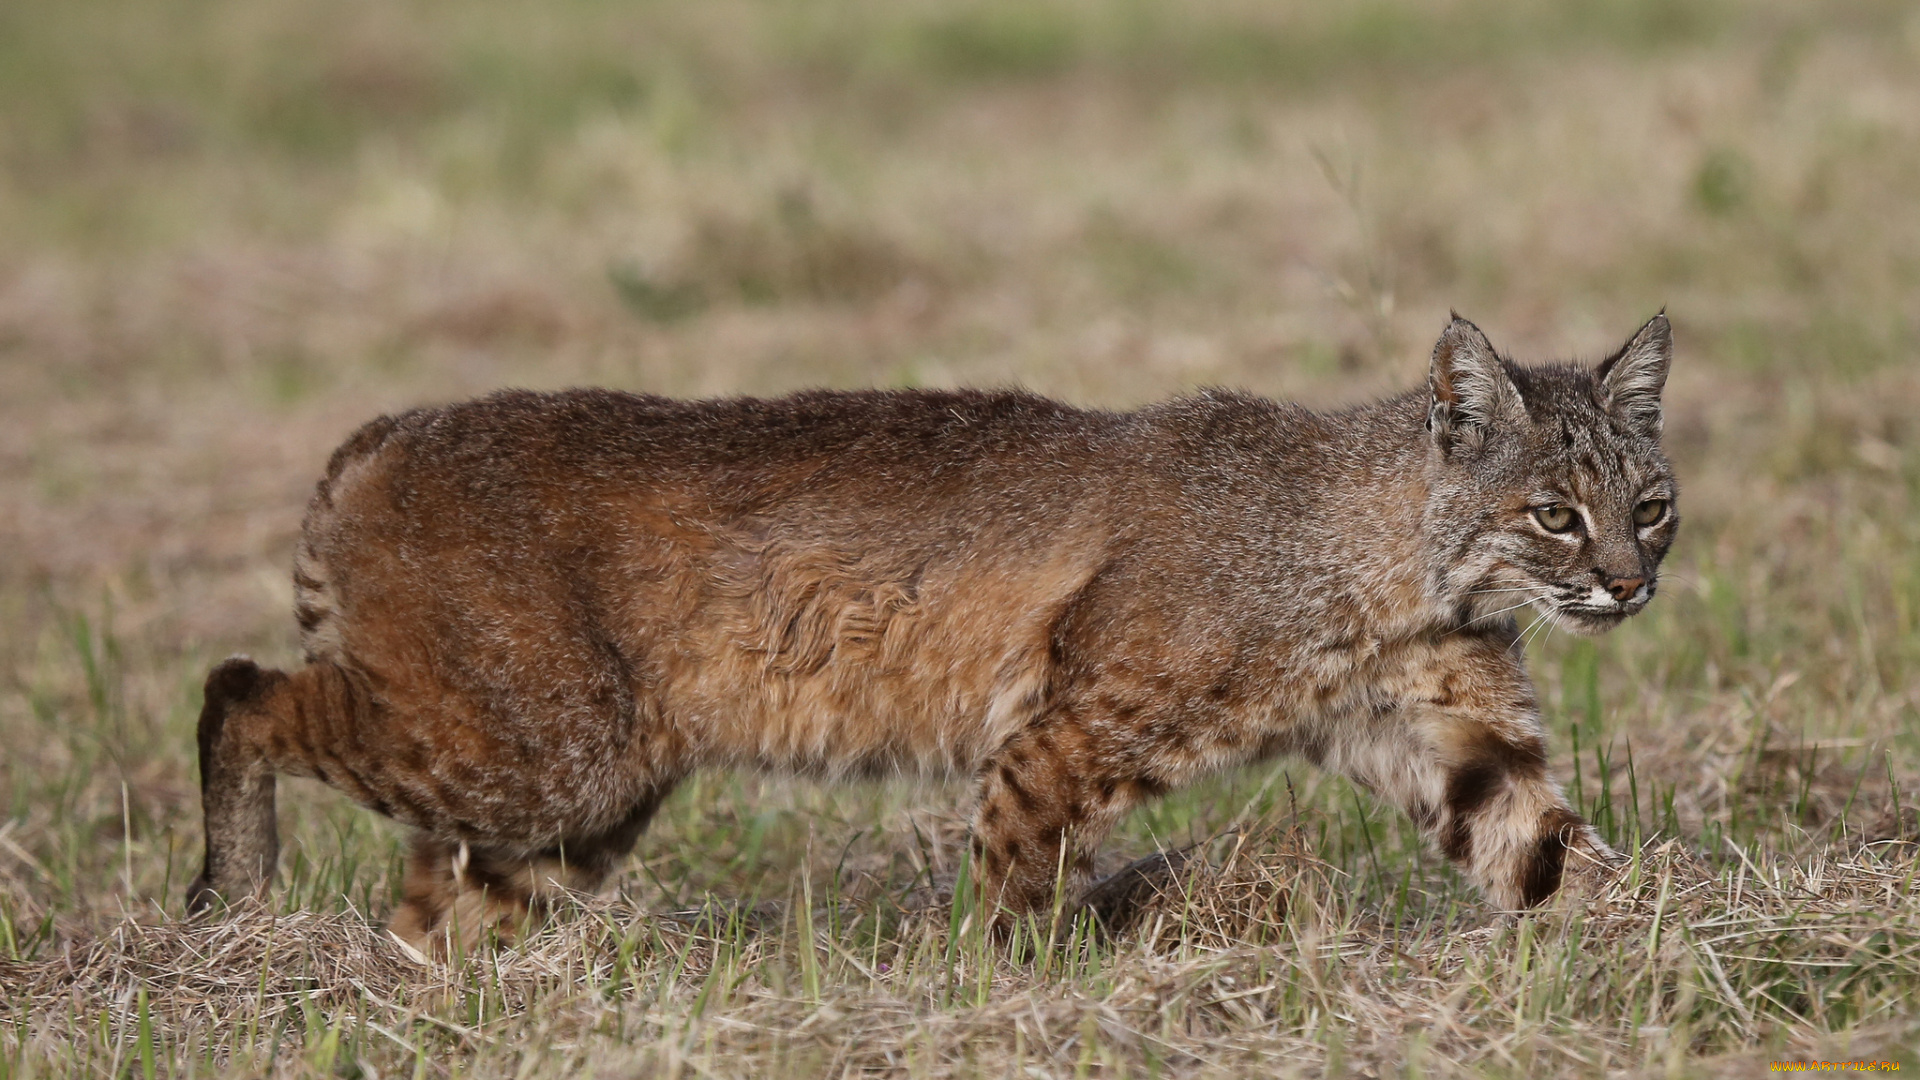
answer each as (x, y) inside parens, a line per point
(527, 617)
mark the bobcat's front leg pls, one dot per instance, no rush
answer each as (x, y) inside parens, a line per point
(1044, 803)
(1466, 758)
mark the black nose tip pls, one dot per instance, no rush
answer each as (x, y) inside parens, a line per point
(1624, 588)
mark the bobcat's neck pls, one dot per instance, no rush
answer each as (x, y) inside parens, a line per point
(1384, 544)
(1437, 571)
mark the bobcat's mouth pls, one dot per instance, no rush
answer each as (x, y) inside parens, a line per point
(1595, 612)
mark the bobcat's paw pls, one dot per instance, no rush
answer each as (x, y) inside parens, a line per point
(1118, 901)
(1591, 874)
(202, 897)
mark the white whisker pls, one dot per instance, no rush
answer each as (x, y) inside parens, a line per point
(1533, 630)
(1537, 596)
(1504, 610)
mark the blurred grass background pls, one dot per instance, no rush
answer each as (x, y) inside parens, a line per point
(231, 231)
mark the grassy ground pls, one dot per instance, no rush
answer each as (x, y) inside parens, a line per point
(236, 228)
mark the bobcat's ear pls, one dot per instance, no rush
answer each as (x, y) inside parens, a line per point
(1631, 379)
(1468, 387)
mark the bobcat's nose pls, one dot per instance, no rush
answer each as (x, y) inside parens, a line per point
(1623, 589)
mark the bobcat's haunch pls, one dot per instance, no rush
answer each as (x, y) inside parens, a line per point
(527, 617)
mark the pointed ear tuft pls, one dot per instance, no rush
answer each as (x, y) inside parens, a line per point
(1469, 391)
(1630, 381)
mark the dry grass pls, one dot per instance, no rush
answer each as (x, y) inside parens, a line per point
(1260, 962)
(235, 230)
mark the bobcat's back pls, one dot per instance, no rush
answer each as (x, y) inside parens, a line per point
(832, 583)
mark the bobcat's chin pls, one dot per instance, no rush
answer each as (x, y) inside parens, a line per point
(1593, 620)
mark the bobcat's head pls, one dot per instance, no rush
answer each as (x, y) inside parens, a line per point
(1548, 484)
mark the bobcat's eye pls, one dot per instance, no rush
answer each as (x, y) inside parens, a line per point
(1649, 512)
(1556, 518)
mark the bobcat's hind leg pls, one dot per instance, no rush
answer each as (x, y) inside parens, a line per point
(456, 894)
(256, 722)
(236, 786)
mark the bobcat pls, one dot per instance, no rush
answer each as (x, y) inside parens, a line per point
(527, 617)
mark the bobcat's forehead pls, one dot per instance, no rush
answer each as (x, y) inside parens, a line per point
(1594, 461)
(1579, 451)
